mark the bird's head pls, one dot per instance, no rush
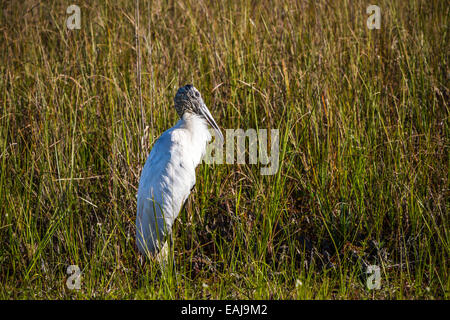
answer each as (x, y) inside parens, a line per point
(189, 100)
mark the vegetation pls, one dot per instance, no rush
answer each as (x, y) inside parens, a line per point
(364, 137)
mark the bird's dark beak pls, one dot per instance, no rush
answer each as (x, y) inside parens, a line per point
(207, 115)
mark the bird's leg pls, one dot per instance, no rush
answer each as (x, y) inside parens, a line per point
(163, 254)
(172, 256)
(172, 251)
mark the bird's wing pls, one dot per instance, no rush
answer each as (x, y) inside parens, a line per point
(166, 180)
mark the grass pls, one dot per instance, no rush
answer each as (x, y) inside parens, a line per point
(364, 138)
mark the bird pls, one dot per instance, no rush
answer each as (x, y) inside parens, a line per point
(168, 176)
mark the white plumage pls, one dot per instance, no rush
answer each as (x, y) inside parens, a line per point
(169, 172)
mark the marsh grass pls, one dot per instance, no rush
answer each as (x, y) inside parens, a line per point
(364, 137)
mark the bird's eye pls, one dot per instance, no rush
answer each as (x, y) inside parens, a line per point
(197, 95)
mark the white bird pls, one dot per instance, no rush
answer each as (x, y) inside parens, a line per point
(169, 172)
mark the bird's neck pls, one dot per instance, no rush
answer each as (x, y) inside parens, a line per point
(197, 126)
(197, 129)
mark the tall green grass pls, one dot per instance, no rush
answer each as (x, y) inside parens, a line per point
(364, 137)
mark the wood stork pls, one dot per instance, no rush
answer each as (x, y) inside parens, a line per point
(169, 172)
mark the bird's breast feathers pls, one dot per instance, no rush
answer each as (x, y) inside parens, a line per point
(169, 172)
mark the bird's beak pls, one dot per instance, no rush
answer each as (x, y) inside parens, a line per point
(207, 115)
